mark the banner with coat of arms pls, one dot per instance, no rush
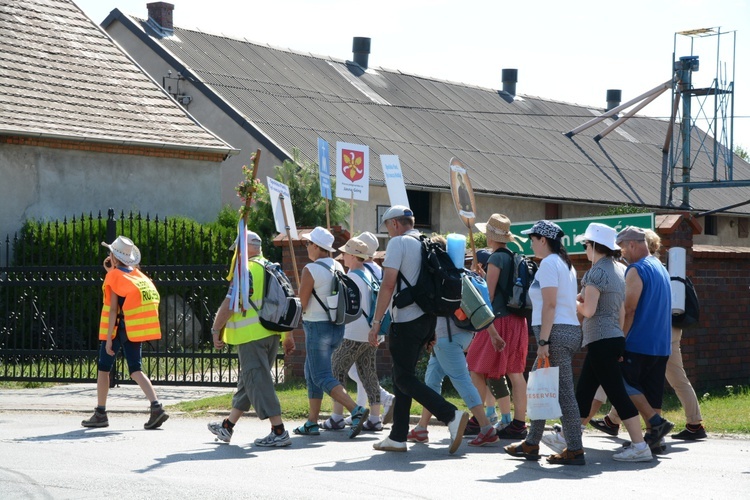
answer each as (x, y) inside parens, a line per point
(352, 171)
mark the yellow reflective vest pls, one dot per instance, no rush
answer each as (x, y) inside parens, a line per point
(140, 309)
(245, 327)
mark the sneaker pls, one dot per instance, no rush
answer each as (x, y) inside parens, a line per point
(456, 428)
(523, 449)
(485, 439)
(221, 432)
(371, 426)
(660, 430)
(388, 407)
(99, 419)
(418, 435)
(472, 427)
(389, 444)
(567, 457)
(333, 425)
(272, 440)
(555, 441)
(359, 416)
(631, 454)
(656, 448)
(602, 425)
(308, 429)
(689, 435)
(512, 432)
(158, 417)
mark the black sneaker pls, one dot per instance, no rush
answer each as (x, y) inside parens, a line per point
(472, 428)
(602, 425)
(513, 432)
(688, 435)
(660, 430)
(99, 419)
(158, 417)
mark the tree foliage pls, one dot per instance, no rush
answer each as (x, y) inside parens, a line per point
(742, 153)
(308, 206)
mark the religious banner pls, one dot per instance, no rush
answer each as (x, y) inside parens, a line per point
(283, 216)
(463, 194)
(325, 171)
(352, 171)
(394, 180)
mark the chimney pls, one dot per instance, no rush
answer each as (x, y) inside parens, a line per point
(614, 96)
(361, 50)
(161, 14)
(510, 78)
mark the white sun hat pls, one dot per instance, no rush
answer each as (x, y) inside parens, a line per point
(124, 250)
(599, 233)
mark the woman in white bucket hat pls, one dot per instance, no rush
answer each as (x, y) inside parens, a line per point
(130, 316)
(322, 336)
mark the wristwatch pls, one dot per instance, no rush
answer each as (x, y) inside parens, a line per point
(543, 342)
(215, 332)
(378, 321)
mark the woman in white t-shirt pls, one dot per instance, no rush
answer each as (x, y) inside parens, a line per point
(322, 336)
(558, 333)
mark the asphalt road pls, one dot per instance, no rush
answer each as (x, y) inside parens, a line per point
(47, 454)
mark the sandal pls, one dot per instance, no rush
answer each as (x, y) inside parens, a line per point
(308, 429)
(523, 449)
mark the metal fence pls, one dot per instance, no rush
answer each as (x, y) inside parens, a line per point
(51, 298)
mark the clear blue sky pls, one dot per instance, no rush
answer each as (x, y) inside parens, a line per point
(567, 51)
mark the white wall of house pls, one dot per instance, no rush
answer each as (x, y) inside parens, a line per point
(206, 112)
(50, 183)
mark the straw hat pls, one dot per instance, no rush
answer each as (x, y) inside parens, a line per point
(321, 237)
(124, 250)
(497, 229)
(599, 233)
(356, 247)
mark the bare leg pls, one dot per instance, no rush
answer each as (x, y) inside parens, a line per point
(145, 384)
(102, 388)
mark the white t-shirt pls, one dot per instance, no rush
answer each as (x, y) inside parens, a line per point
(404, 253)
(554, 272)
(322, 278)
(358, 329)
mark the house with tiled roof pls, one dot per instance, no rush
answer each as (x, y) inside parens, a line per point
(521, 161)
(83, 128)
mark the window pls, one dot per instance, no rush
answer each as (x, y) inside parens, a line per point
(710, 225)
(419, 202)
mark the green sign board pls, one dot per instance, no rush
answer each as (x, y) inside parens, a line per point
(574, 227)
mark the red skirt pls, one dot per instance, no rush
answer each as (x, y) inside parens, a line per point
(482, 357)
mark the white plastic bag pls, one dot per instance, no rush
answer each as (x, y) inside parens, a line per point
(542, 392)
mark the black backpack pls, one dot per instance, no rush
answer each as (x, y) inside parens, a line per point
(690, 317)
(348, 299)
(280, 310)
(438, 287)
(516, 291)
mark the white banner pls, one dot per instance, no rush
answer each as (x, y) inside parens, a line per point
(394, 180)
(275, 190)
(352, 171)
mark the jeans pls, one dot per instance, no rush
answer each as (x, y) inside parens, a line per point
(133, 351)
(406, 343)
(321, 339)
(449, 359)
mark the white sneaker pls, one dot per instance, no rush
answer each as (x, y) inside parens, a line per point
(555, 441)
(389, 444)
(456, 428)
(631, 454)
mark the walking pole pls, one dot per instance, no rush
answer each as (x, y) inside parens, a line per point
(289, 237)
(473, 250)
(328, 216)
(351, 214)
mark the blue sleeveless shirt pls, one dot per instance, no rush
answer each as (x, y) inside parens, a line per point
(651, 332)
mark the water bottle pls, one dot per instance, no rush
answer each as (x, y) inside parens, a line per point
(517, 300)
(456, 248)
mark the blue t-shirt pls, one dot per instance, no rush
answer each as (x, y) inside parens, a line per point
(651, 331)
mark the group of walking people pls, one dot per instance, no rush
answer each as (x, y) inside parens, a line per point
(621, 315)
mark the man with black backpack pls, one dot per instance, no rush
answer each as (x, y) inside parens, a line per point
(256, 348)
(411, 330)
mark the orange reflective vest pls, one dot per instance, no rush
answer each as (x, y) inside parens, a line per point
(140, 309)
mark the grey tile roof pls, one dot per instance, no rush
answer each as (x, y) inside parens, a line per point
(517, 148)
(61, 76)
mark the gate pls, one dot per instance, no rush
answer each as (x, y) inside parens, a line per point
(51, 298)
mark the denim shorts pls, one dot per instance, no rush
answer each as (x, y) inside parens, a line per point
(132, 350)
(321, 339)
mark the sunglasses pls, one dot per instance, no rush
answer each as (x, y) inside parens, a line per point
(586, 244)
(308, 243)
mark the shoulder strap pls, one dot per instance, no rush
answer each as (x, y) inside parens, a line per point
(325, 308)
(401, 277)
(369, 317)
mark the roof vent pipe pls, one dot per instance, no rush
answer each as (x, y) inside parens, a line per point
(361, 50)
(510, 78)
(614, 97)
